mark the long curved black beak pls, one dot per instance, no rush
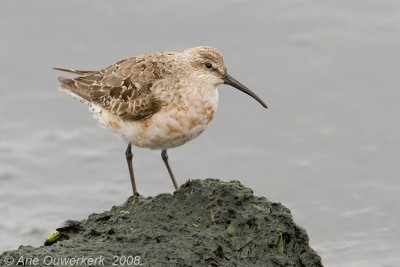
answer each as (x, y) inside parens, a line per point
(228, 79)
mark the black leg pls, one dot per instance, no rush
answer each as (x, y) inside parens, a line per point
(164, 156)
(129, 156)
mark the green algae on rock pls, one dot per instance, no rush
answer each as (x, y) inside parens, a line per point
(204, 223)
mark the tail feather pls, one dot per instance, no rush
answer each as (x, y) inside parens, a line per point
(79, 72)
(69, 86)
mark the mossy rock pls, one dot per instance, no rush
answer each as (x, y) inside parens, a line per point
(204, 223)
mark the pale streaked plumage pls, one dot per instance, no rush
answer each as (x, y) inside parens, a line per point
(156, 101)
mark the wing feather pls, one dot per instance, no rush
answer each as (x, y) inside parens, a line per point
(125, 88)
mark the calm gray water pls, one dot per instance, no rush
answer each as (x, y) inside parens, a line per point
(328, 148)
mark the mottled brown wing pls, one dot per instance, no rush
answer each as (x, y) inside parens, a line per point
(125, 88)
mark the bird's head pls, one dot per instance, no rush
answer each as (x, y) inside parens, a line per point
(209, 65)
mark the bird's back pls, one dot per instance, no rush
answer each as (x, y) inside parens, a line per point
(124, 88)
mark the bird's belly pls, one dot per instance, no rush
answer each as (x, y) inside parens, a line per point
(166, 129)
(169, 129)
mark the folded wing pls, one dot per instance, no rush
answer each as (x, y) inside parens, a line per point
(124, 88)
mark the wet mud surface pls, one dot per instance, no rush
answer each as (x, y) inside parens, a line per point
(204, 223)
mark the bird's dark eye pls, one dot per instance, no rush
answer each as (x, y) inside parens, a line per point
(208, 65)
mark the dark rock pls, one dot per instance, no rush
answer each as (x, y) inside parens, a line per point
(204, 223)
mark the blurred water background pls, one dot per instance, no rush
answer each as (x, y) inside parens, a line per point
(328, 148)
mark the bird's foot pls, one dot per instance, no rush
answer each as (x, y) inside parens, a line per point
(137, 197)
